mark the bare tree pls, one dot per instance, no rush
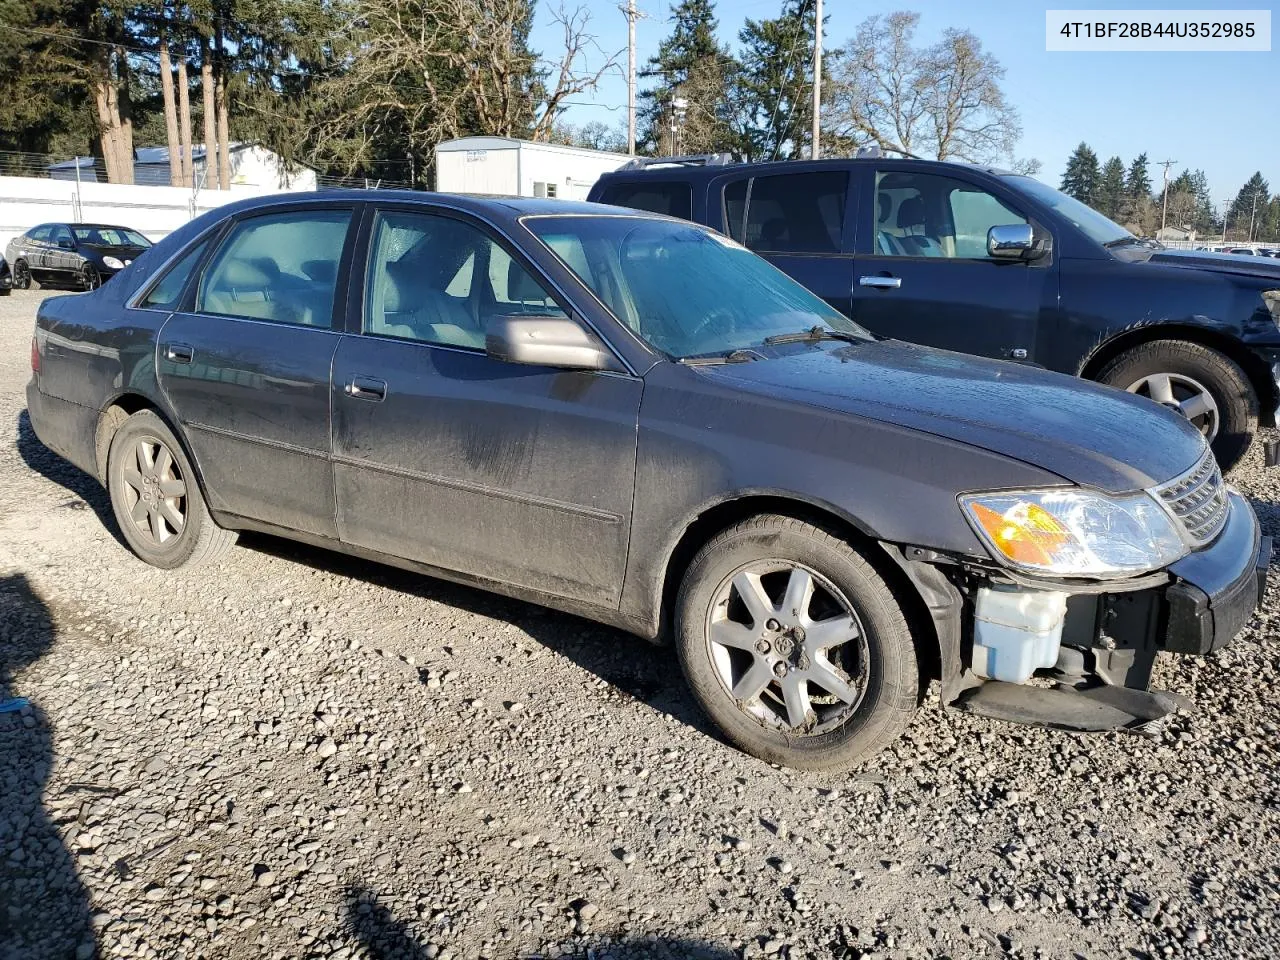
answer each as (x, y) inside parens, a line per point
(422, 71)
(184, 123)
(944, 100)
(170, 110)
(210, 116)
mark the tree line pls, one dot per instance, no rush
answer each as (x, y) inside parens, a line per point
(1127, 196)
(369, 87)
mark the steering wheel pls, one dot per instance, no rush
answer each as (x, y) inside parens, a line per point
(720, 314)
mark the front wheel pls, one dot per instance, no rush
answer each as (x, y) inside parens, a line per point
(795, 646)
(156, 499)
(1201, 384)
(90, 278)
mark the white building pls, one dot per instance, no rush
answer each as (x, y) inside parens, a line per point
(251, 166)
(524, 168)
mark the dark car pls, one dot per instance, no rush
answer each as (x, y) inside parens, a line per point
(637, 420)
(80, 255)
(996, 264)
(6, 278)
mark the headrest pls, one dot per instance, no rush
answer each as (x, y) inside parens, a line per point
(521, 286)
(886, 203)
(258, 273)
(911, 212)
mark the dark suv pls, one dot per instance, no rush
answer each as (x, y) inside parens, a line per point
(992, 263)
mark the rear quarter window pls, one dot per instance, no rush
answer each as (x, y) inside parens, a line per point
(672, 198)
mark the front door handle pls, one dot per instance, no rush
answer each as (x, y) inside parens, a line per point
(886, 283)
(179, 352)
(366, 388)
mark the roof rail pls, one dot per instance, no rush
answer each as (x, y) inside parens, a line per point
(692, 160)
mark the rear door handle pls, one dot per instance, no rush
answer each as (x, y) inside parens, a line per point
(366, 388)
(179, 352)
(886, 283)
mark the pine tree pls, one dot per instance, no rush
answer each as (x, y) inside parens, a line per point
(1253, 198)
(1081, 179)
(1111, 188)
(775, 88)
(692, 65)
(1137, 183)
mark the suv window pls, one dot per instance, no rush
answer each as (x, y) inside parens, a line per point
(166, 292)
(788, 213)
(281, 267)
(440, 280)
(925, 215)
(673, 198)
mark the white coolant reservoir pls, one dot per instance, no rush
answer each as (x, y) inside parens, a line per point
(1016, 631)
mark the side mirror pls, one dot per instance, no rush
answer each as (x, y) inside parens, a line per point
(1014, 241)
(66, 244)
(545, 342)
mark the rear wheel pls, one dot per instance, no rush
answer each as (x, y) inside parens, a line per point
(794, 645)
(1201, 384)
(156, 499)
(21, 275)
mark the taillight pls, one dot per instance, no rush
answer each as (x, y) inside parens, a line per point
(35, 355)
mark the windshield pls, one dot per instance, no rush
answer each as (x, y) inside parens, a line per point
(1094, 224)
(684, 289)
(111, 236)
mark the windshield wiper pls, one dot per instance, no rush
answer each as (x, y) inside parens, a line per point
(1121, 241)
(816, 332)
(733, 356)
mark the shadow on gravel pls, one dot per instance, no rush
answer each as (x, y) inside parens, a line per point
(386, 938)
(632, 666)
(44, 910)
(52, 467)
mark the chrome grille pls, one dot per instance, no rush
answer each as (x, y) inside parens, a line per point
(1198, 500)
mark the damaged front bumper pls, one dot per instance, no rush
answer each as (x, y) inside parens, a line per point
(1097, 674)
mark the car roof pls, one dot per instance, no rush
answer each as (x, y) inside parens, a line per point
(658, 170)
(471, 202)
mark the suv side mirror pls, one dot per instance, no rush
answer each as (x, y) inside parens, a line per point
(545, 342)
(1014, 241)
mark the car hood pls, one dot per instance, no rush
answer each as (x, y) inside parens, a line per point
(1219, 262)
(1090, 435)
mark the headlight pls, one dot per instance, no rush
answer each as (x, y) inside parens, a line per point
(113, 263)
(1074, 533)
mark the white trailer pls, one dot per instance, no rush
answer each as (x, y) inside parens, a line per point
(523, 168)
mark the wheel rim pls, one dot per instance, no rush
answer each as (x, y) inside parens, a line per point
(21, 276)
(155, 492)
(90, 277)
(1185, 395)
(787, 647)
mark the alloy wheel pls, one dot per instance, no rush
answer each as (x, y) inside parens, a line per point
(155, 491)
(21, 276)
(787, 647)
(1183, 394)
(90, 279)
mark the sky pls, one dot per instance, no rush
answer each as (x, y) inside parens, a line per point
(1208, 110)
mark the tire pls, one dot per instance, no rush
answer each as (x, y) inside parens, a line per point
(5, 292)
(21, 275)
(138, 469)
(878, 666)
(1188, 365)
(90, 278)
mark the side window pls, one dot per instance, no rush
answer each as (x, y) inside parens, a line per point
(797, 213)
(41, 233)
(440, 280)
(61, 235)
(672, 198)
(735, 208)
(922, 215)
(166, 292)
(281, 267)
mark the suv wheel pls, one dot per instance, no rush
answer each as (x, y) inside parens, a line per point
(794, 645)
(156, 499)
(1203, 385)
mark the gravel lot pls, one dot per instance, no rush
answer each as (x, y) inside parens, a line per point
(296, 754)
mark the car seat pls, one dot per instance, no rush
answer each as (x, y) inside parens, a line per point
(910, 216)
(886, 243)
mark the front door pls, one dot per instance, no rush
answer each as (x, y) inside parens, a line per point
(60, 257)
(923, 274)
(511, 473)
(246, 367)
(800, 222)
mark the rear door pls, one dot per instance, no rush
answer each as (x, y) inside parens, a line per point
(33, 248)
(923, 273)
(800, 222)
(513, 473)
(246, 365)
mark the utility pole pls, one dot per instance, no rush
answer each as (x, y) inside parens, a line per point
(632, 16)
(1165, 206)
(815, 150)
(1252, 210)
(1226, 212)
